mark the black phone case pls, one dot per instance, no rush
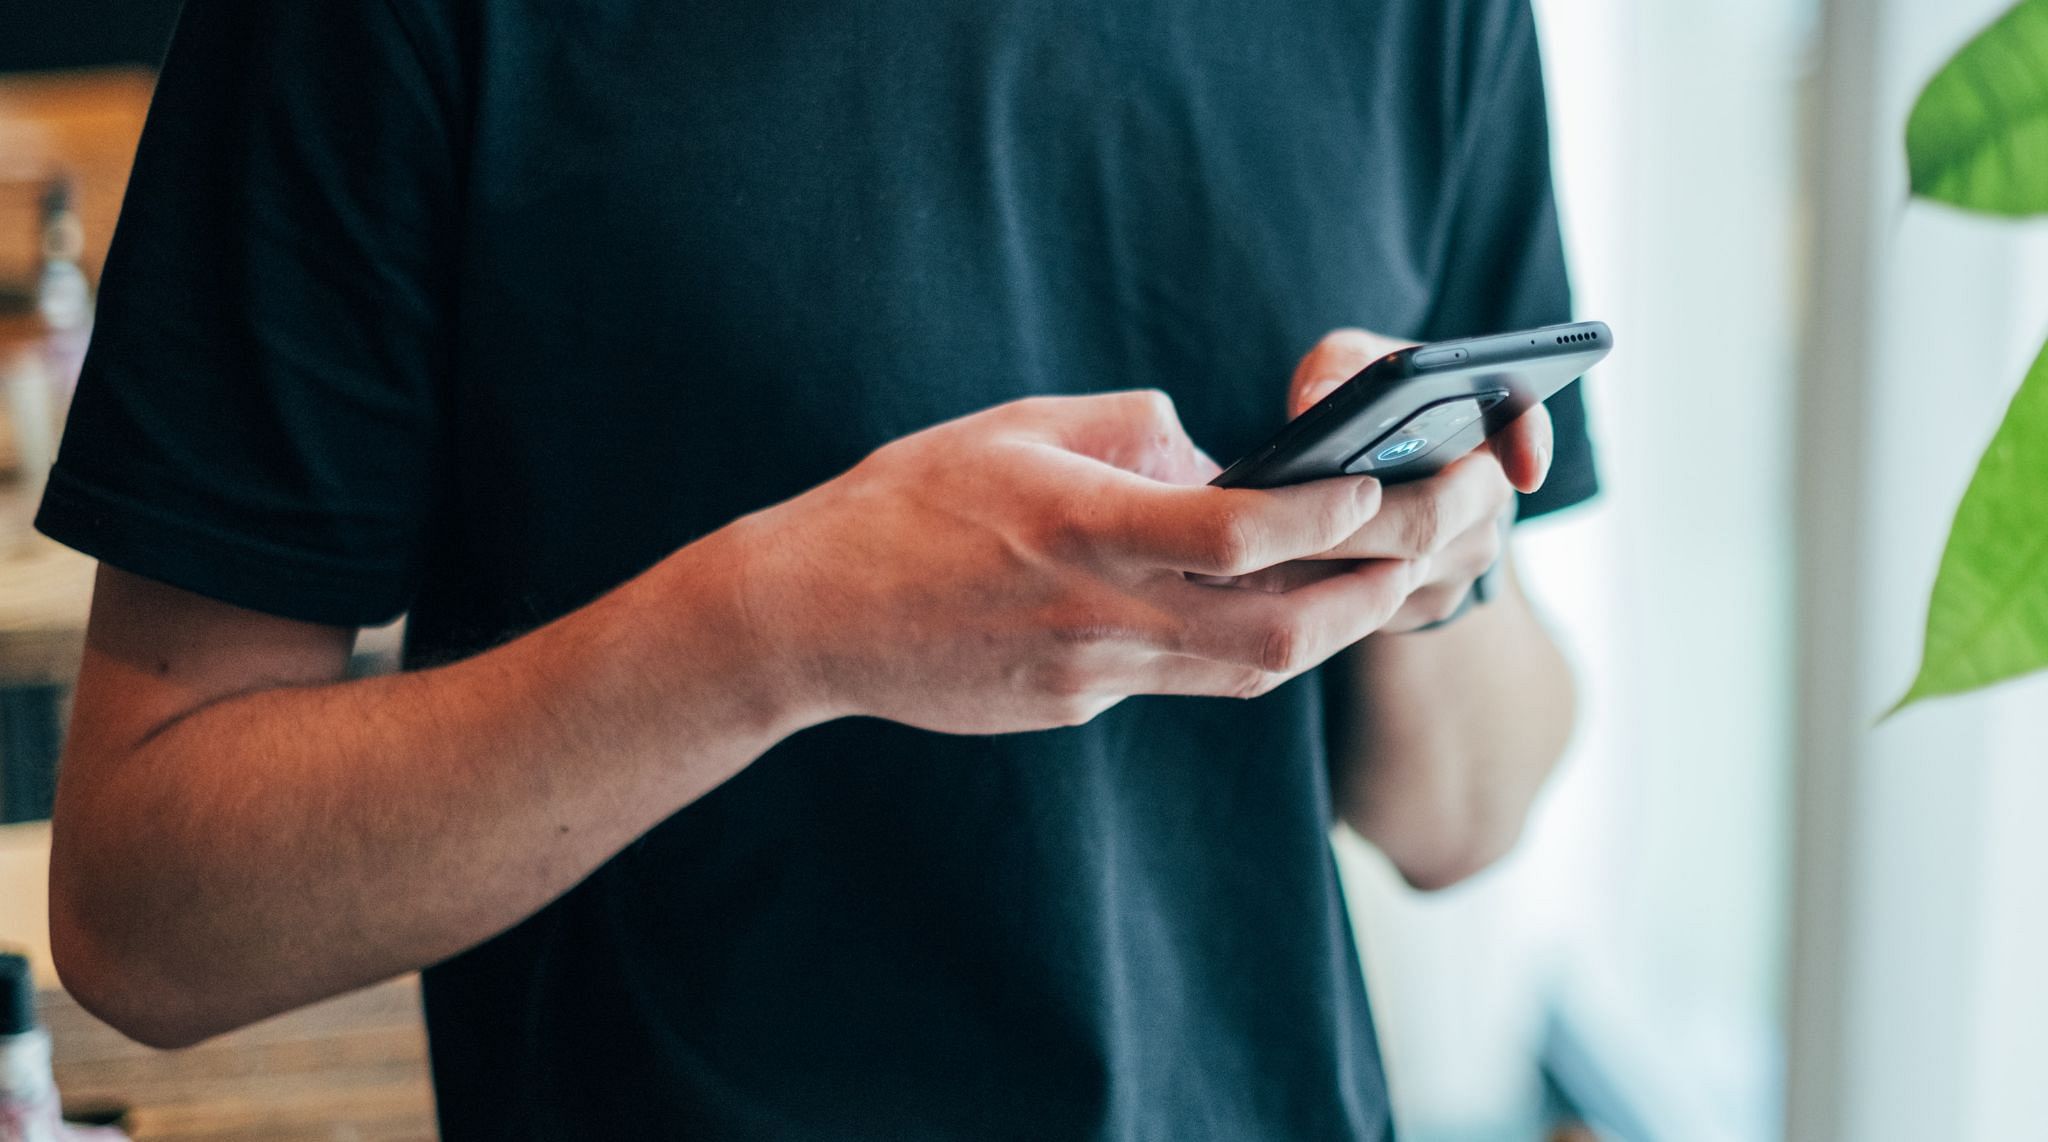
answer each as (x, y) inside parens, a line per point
(1358, 430)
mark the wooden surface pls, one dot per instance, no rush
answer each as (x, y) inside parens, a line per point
(353, 1069)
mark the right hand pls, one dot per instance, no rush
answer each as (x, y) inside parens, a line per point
(1028, 567)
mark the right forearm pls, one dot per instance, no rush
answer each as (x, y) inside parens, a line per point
(282, 845)
(235, 837)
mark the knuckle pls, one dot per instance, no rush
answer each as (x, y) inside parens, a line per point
(1155, 406)
(1465, 561)
(1336, 519)
(1066, 679)
(1284, 647)
(1422, 530)
(1068, 530)
(1228, 547)
(1439, 604)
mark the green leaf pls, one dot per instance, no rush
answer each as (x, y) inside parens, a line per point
(1988, 619)
(1978, 137)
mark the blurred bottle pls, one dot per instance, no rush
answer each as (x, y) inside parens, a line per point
(63, 303)
(63, 299)
(28, 1094)
(29, 1109)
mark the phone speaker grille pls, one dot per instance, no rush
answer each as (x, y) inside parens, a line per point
(1575, 338)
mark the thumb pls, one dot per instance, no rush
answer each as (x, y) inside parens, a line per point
(1524, 448)
(1336, 358)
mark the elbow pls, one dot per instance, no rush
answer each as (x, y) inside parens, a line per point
(124, 995)
(1452, 858)
(1442, 840)
(1443, 822)
(128, 990)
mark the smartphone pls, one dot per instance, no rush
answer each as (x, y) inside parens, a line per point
(1411, 413)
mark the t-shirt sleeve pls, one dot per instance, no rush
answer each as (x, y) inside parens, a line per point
(1504, 262)
(259, 415)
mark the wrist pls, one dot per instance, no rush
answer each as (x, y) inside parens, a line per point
(735, 610)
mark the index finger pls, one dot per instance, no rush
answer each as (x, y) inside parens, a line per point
(1227, 531)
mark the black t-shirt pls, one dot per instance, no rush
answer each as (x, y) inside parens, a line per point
(475, 309)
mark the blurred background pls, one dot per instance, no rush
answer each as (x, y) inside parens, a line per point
(1744, 910)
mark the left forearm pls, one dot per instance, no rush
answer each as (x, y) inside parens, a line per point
(1450, 734)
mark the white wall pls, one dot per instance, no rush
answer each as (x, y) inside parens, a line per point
(1920, 1007)
(1648, 902)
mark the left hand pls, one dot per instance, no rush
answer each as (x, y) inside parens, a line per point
(1448, 524)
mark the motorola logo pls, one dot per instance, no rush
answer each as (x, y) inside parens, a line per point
(1400, 450)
